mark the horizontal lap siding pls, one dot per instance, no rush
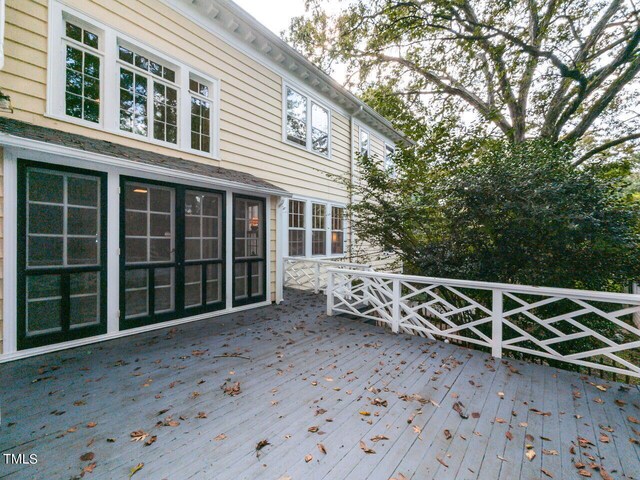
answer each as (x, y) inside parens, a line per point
(251, 95)
(1, 248)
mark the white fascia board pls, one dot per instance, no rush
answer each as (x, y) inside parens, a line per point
(54, 149)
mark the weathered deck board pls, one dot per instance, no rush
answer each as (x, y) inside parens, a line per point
(300, 364)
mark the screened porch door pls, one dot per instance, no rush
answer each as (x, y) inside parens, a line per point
(249, 250)
(172, 252)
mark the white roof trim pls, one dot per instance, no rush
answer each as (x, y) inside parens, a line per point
(236, 27)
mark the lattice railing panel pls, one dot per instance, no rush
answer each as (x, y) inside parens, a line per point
(589, 329)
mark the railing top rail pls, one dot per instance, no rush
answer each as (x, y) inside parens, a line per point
(328, 262)
(592, 295)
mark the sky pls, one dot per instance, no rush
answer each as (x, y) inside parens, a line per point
(274, 15)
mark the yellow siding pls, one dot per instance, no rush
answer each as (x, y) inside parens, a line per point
(251, 94)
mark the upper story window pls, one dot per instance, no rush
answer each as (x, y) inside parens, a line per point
(82, 75)
(199, 92)
(307, 123)
(389, 152)
(103, 79)
(365, 144)
(148, 97)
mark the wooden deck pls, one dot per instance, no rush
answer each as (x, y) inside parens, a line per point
(334, 398)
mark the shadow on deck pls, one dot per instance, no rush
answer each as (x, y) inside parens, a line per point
(334, 398)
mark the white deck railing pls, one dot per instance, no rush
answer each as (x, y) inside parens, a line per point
(581, 327)
(311, 273)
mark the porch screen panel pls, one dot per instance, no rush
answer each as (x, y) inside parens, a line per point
(61, 260)
(249, 250)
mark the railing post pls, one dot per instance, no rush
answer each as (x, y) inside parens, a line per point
(316, 280)
(496, 324)
(329, 293)
(395, 307)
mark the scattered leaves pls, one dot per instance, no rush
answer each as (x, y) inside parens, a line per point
(138, 435)
(260, 445)
(87, 457)
(136, 469)
(378, 438)
(365, 449)
(231, 390)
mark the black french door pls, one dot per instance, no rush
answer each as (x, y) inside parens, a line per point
(249, 250)
(172, 252)
(61, 254)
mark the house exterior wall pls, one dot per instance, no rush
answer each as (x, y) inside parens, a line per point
(251, 101)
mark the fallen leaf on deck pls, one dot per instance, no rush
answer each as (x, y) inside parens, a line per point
(151, 440)
(222, 436)
(308, 458)
(138, 435)
(364, 413)
(417, 429)
(232, 390)
(442, 462)
(201, 415)
(89, 468)
(378, 438)
(458, 408)
(447, 434)
(509, 435)
(322, 448)
(550, 452)
(87, 457)
(313, 429)
(584, 473)
(379, 402)
(91, 424)
(604, 438)
(475, 415)
(546, 472)
(500, 420)
(539, 412)
(633, 420)
(136, 469)
(260, 445)
(399, 477)
(531, 454)
(365, 449)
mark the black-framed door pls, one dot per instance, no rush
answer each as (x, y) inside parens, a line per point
(172, 251)
(249, 250)
(61, 254)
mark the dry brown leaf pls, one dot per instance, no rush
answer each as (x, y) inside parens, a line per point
(509, 435)
(633, 420)
(540, 412)
(322, 448)
(89, 468)
(261, 444)
(138, 435)
(313, 429)
(442, 462)
(87, 457)
(222, 436)
(232, 390)
(151, 440)
(550, 452)
(378, 402)
(500, 420)
(531, 454)
(399, 477)
(378, 438)
(417, 429)
(584, 473)
(365, 449)
(546, 472)
(604, 438)
(364, 413)
(475, 415)
(308, 458)
(447, 434)
(91, 424)
(201, 415)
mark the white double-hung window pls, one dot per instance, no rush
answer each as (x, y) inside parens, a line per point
(307, 123)
(316, 228)
(102, 78)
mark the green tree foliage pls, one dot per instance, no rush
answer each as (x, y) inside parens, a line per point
(561, 70)
(493, 210)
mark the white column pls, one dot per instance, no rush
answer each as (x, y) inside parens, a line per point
(10, 208)
(229, 250)
(113, 252)
(496, 330)
(281, 232)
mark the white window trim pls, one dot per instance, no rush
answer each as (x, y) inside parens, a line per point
(308, 227)
(311, 99)
(110, 38)
(362, 130)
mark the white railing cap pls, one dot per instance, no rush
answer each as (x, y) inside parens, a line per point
(548, 291)
(327, 262)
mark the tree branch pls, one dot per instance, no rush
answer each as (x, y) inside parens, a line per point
(605, 146)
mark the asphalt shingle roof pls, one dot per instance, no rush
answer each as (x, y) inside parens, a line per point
(29, 131)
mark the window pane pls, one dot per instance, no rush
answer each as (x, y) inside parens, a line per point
(44, 304)
(213, 287)
(296, 117)
(319, 216)
(163, 290)
(319, 243)
(125, 54)
(136, 197)
(193, 285)
(319, 129)
(44, 251)
(84, 301)
(160, 224)
(82, 191)
(136, 293)
(192, 249)
(82, 86)
(82, 251)
(45, 186)
(161, 200)
(364, 142)
(136, 250)
(200, 124)
(160, 250)
(257, 274)
(73, 31)
(45, 219)
(82, 221)
(240, 278)
(90, 39)
(296, 243)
